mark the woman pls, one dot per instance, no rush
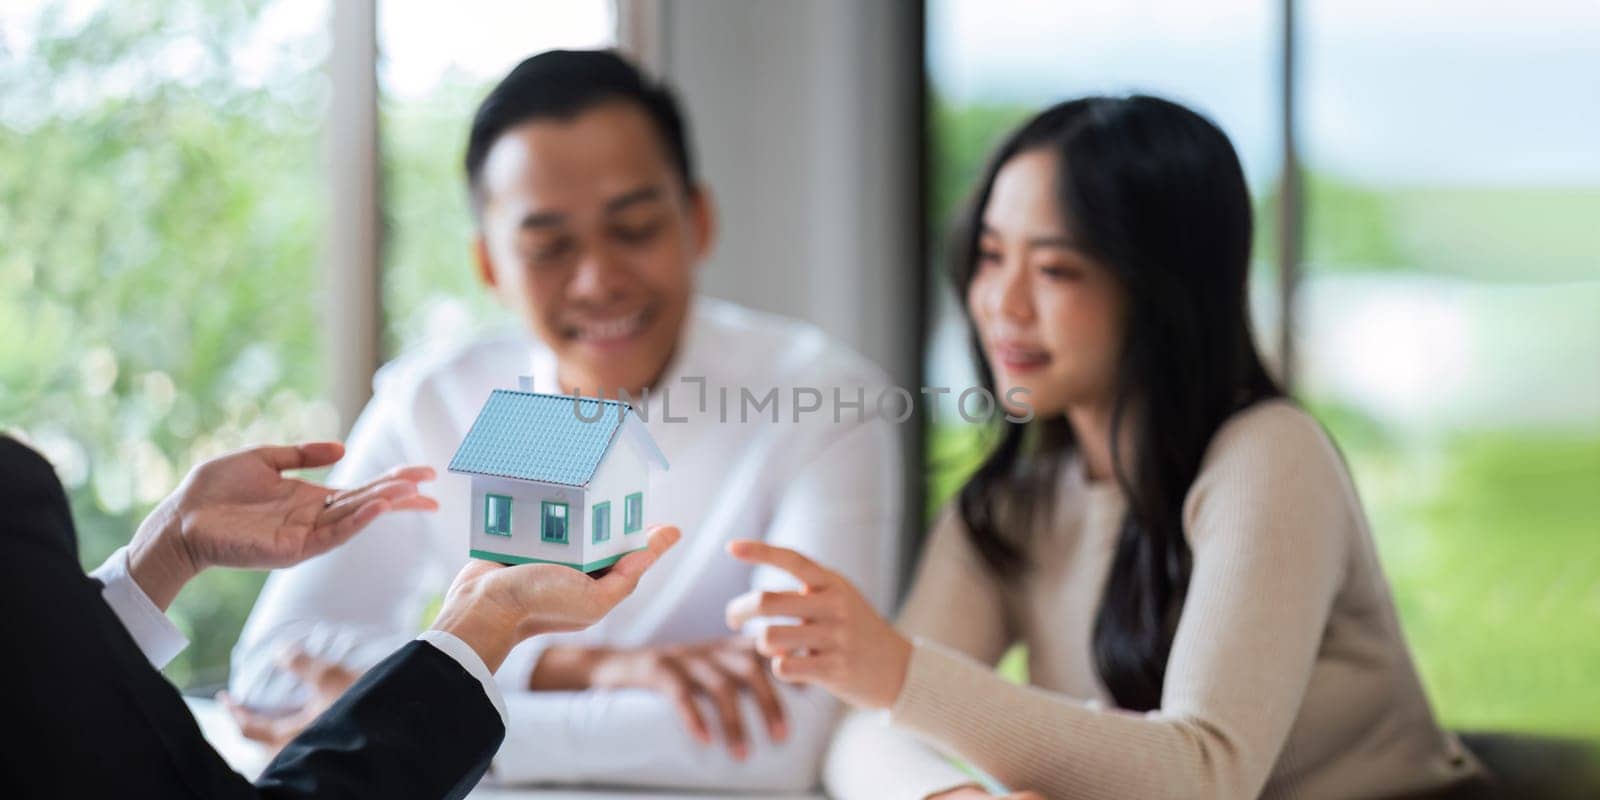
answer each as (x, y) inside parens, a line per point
(1179, 547)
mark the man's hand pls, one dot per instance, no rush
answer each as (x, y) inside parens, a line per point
(238, 510)
(492, 607)
(718, 671)
(326, 680)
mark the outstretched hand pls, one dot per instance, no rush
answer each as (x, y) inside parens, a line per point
(239, 510)
(492, 607)
(840, 642)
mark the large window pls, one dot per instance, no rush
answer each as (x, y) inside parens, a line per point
(163, 192)
(160, 219)
(436, 62)
(1449, 332)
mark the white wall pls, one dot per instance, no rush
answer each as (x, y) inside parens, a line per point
(623, 472)
(806, 118)
(525, 539)
(805, 122)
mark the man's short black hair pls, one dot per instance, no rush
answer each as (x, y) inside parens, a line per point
(560, 84)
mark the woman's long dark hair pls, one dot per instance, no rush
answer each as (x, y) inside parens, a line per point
(1154, 192)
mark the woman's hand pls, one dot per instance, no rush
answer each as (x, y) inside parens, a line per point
(238, 510)
(840, 642)
(492, 607)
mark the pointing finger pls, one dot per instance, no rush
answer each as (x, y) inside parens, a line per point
(790, 561)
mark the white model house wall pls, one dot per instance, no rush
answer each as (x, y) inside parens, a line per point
(526, 513)
(623, 472)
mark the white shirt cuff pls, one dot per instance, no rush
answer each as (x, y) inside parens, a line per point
(470, 661)
(157, 637)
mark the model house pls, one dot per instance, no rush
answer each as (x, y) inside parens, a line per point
(557, 479)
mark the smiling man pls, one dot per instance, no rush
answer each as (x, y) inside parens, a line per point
(591, 223)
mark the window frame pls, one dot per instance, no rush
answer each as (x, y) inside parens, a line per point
(636, 523)
(488, 502)
(594, 522)
(544, 519)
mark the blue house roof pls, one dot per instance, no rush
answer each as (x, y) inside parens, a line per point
(539, 437)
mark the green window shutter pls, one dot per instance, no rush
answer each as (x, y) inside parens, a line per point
(633, 513)
(497, 514)
(601, 521)
(553, 522)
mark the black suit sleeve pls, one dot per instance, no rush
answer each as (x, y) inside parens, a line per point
(416, 725)
(89, 717)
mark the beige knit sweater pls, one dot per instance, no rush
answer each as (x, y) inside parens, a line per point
(1288, 675)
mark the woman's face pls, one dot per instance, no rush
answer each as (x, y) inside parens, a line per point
(1050, 317)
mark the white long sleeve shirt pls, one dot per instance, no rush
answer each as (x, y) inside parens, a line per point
(825, 482)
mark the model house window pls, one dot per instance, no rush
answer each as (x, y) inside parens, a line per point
(553, 526)
(633, 512)
(497, 515)
(602, 522)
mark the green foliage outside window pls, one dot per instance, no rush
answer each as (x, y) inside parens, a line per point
(161, 213)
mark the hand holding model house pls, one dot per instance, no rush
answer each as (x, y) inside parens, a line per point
(490, 606)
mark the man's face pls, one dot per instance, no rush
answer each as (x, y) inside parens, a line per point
(588, 234)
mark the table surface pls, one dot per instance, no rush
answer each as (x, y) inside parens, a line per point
(249, 758)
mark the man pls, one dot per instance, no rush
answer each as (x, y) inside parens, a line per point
(96, 719)
(590, 224)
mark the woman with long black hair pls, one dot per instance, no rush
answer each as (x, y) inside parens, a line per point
(1179, 546)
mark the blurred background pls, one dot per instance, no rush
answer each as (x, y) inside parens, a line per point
(217, 217)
